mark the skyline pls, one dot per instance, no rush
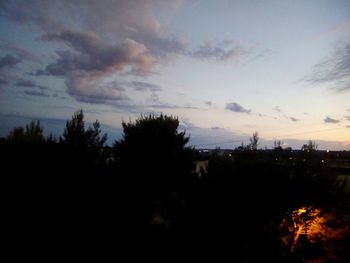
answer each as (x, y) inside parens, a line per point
(224, 68)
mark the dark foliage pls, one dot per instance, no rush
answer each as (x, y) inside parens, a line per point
(153, 152)
(78, 199)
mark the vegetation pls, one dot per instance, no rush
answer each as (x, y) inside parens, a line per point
(142, 196)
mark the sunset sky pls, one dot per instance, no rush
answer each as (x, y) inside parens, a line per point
(224, 68)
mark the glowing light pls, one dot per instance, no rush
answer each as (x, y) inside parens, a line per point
(307, 221)
(301, 211)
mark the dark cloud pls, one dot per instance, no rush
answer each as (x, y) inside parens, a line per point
(347, 118)
(293, 119)
(29, 84)
(330, 120)
(209, 103)
(143, 86)
(36, 93)
(347, 126)
(334, 70)
(220, 51)
(91, 54)
(90, 60)
(9, 61)
(235, 107)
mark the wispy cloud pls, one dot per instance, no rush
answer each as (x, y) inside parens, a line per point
(9, 61)
(235, 107)
(219, 51)
(29, 84)
(330, 120)
(143, 86)
(36, 93)
(20, 53)
(277, 109)
(12, 58)
(334, 70)
(211, 137)
(190, 107)
(293, 119)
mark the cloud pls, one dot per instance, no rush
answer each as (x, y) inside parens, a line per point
(90, 60)
(18, 52)
(277, 109)
(117, 20)
(9, 61)
(347, 126)
(347, 118)
(29, 84)
(91, 54)
(293, 119)
(190, 107)
(211, 137)
(330, 120)
(36, 93)
(334, 70)
(105, 38)
(3, 82)
(162, 105)
(235, 107)
(209, 103)
(87, 88)
(97, 40)
(220, 51)
(143, 86)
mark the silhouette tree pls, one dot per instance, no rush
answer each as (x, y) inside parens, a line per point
(74, 132)
(33, 133)
(76, 135)
(278, 145)
(309, 147)
(84, 144)
(254, 141)
(154, 152)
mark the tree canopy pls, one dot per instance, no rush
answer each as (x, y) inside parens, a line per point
(153, 145)
(76, 135)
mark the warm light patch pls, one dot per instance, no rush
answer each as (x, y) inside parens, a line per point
(301, 211)
(306, 221)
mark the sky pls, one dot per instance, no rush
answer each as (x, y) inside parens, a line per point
(224, 68)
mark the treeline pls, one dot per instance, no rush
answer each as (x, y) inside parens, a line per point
(72, 196)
